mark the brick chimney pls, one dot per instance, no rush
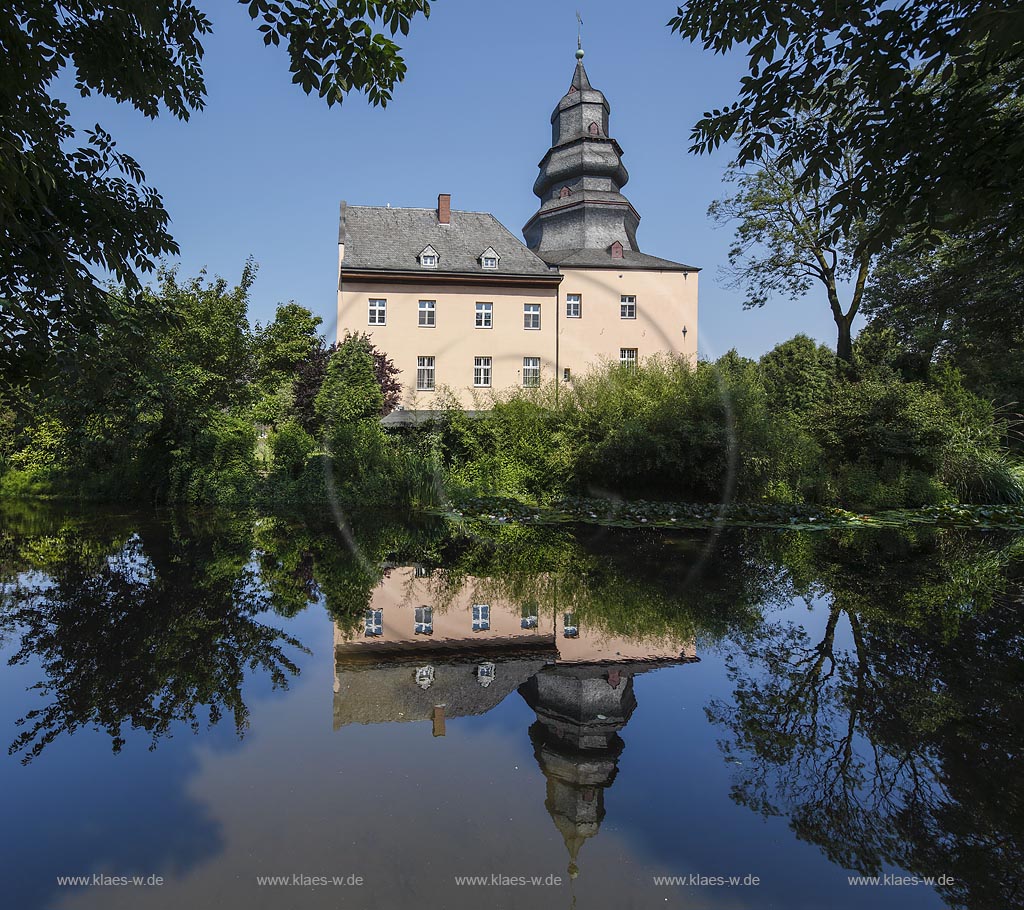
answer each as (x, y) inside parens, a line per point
(444, 208)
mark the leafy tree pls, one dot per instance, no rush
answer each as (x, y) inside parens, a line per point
(927, 91)
(960, 304)
(311, 372)
(163, 387)
(281, 345)
(350, 391)
(278, 349)
(69, 207)
(786, 242)
(797, 373)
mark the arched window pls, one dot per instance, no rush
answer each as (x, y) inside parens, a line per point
(564, 191)
(595, 130)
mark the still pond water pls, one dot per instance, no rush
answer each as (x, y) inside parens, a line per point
(569, 716)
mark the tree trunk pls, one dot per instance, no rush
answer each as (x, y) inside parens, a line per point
(844, 346)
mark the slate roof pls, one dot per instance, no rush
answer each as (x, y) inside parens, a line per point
(377, 238)
(389, 694)
(602, 259)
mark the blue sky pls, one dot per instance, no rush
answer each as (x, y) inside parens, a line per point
(261, 170)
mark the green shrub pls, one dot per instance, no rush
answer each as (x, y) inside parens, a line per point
(217, 465)
(290, 446)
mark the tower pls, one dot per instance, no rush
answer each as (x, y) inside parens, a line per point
(581, 179)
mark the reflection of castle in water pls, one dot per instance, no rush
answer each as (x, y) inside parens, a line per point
(415, 659)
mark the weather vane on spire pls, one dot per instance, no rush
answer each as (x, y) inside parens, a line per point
(579, 36)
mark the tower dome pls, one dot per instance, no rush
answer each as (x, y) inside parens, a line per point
(581, 178)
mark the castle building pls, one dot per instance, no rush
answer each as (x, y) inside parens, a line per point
(459, 303)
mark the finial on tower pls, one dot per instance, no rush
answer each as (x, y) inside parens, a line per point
(579, 36)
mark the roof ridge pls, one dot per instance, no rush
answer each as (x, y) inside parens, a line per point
(417, 208)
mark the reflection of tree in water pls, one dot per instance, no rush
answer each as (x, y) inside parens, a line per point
(146, 633)
(894, 735)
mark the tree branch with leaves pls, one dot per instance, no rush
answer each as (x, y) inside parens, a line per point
(786, 243)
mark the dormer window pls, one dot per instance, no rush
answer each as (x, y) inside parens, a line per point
(595, 130)
(429, 258)
(564, 192)
(616, 250)
(489, 258)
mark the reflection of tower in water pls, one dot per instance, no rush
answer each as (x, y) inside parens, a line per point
(413, 659)
(580, 711)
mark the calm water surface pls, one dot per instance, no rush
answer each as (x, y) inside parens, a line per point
(574, 715)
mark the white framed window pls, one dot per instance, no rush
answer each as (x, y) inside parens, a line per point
(428, 313)
(482, 372)
(627, 306)
(490, 262)
(378, 312)
(481, 617)
(484, 315)
(424, 677)
(531, 315)
(531, 372)
(628, 357)
(428, 261)
(485, 674)
(425, 374)
(573, 306)
(422, 572)
(529, 616)
(569, 627)
(374, 623)
(424, 621)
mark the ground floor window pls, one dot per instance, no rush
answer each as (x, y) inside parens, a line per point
(482, 372)
(531, 371)
(627, 357)
(425, 374)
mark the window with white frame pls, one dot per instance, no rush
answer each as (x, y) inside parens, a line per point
(481, 617)
(485, 674)
(484, 315)
(627, 357)
(428, 310)
(429, 258)
(529, 615)
(490, 262)
(425, 374)
(422, 572)
(482, 372)
(573, 306)
(424, 621)
(378, 314)
(531, 315)
(531, 372)
(627, 306)
(569, 627)
(374, 623)
(424, 677)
